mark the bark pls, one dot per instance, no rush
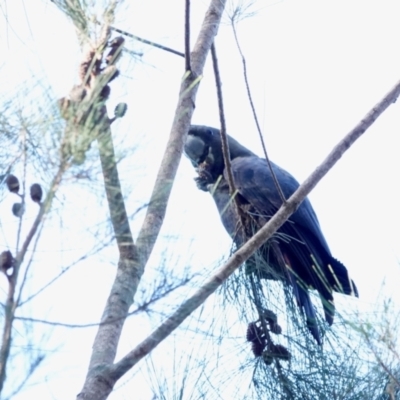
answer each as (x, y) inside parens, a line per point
(100, 380)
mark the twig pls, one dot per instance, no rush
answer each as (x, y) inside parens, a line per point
(187, 35)
(241, 255)
(149, 42)
(29, 264)
(142, 307)
(34, 365)
(11, 304)
(253, 109)
(224, 139)
(65, 270)
(379, 360)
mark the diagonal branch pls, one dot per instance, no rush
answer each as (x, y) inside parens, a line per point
(149, 42)
(241, 255)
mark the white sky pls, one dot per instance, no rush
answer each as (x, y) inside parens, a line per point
(315, 69)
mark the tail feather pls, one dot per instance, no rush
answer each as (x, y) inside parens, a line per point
(303, 301)
(342, 282)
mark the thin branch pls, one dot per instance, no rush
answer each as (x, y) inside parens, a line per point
(241, 255)
(253, 109)
(29, 264)
(224, 139)
(187, 35)
(11, 304)
(33, 367)
(149, 42)
(23, 132)
(142, 307)
(65, 270)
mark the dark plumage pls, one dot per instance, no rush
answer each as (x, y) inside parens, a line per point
(36, 193)
(12, 183)
(298, 254)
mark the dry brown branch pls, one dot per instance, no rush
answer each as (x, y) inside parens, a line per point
(241, 255)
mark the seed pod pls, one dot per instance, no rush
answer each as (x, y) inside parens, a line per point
(120, 110)
(270, 316)
(105, 93)
(18, 209)
(258, 348)
(282, 352)
(275, 328)
(12, 183)
(267, 358)
(36, 193)
(6, 261)
(278, 351)
(255, 335)
(252, 332)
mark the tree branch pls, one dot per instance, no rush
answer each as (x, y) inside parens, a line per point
(99, 382)
(169, 164)
(12, 304)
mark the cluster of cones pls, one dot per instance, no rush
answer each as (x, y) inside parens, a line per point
(84, 108)
(13, 186)
(258, 334)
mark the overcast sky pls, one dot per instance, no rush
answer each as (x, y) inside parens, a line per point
(315, 69)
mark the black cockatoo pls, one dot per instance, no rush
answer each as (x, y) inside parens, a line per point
(298, 254)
